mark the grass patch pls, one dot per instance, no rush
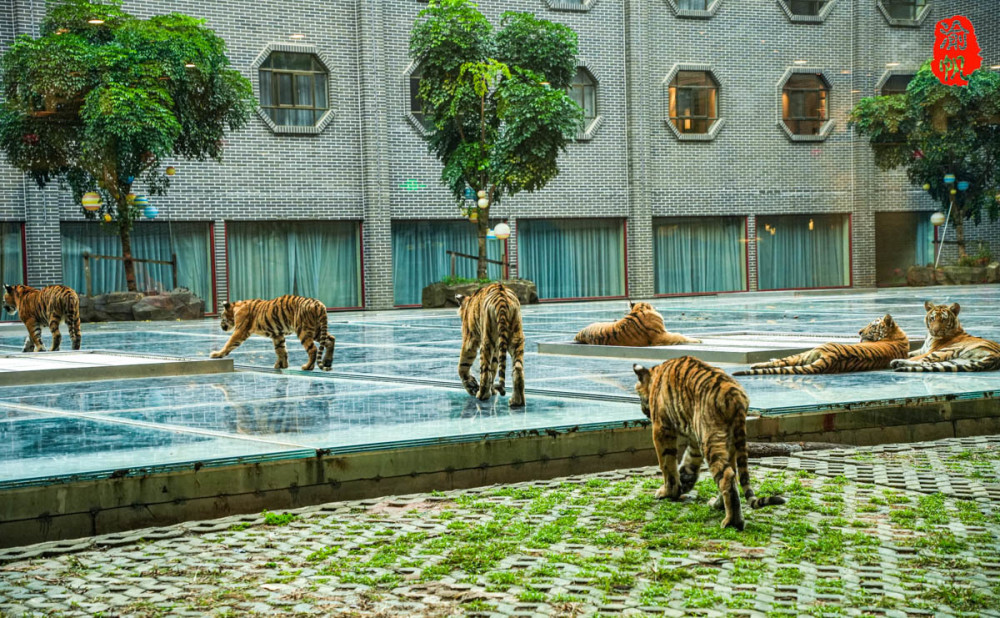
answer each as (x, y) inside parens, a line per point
(278, 519)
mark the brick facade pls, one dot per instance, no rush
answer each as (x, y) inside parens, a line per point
(634, 168)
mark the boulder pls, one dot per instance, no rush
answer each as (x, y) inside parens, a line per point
(964, 275)
(115, 306)
(918, 276)
(87, 311)
(440, 295)
(180, 304)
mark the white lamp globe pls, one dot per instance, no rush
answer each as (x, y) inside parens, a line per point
(483, 202)
(937, 218)
(502, 230)
(481, 193)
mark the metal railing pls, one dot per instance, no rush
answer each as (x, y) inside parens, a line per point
(455, 255)
(86, 266)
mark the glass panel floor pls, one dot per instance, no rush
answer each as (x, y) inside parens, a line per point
(395, 383)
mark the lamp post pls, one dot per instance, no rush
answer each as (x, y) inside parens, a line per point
(962, 185)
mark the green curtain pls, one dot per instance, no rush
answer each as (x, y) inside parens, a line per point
(151, 240)
(802, 251)
(699, 254)
(925, 240)
(12, 257)
(572, 258)
(317, 259)
(419, 255)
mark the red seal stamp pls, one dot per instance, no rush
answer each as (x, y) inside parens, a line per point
(956, 51)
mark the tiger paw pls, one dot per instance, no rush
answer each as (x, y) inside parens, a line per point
(898, 362)
(308, 367)
(471, 386)
(499, 389)
(735, 522)
(663, 492)
(326, 367)
(216, 354)
(688, 481)
(484, 394)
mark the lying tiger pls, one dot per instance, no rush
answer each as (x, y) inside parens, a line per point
(948, 347)
(491, 319)
(306, 317)
(642, 326)
(687, 397)
(46, 307)
(882, 341)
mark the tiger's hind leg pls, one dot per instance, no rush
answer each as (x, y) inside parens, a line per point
(739, 463)
(73, 326)
(331, 342)
(34, 341)
(29, 345)
(795, 359)
(468, 356)
(54, 329)
(517, 369)
(665, 442)
(501, 370)
(281, 352)
(487, 367)
(719, 464)
(690, 467)
(306, 338)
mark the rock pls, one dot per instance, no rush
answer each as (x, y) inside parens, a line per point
(964, 275)
(116, 306)
(440, 295)
(993, 273)
(87, 311)
(918, 276)
(176, 305)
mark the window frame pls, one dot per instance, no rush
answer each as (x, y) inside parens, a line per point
(296, 75)
(826, 123)
(321, 120)
(717, 122)
(589, 126)
(711, 7)
(820, 16)
(920, 12)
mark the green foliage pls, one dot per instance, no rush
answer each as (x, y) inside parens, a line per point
(92, 105)
(496, 102)
(278, 519)
(933, 130)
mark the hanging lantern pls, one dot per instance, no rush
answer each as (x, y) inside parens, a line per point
(473, 215)
(140, 201)
(954, 191)
(937, 219)
(491, 235)
(927, 186)
(483, 202)
(91, 201)
(130, 179)
(150, 211)
(949, 178)
(464, 212)
(171, 170)
(502, 231)
(107, 218)
(963, 185)
(481, 193)
(130, 198)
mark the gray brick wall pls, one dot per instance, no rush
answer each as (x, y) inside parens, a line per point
(634, 168)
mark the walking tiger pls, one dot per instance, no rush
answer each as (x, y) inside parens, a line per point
(306, 317)
(491, 319)
(881, 342)
(45, 307)
(948, 347)
(641, 326)
(685, 396)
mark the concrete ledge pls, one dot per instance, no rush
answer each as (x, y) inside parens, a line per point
(79, 366)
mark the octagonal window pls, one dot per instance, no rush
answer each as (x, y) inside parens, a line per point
(293, 89)
(693, 5)
(809, 8)
(583, 90)
(417, 102)
(693, 101)
(804, 104)
(896, 84)
(904, 9)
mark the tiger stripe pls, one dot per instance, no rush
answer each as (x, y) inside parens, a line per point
(642, 326)
(687, 397)
(948, 347)
(46, 307)
(491, 324)
(882, 341)
(306, 317)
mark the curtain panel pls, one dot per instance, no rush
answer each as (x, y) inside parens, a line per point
(572, 258)
(419, 255)
(151, 240)
(803, 251)
(699, 254)
(925, 240)
(12, 257)
(316, 259)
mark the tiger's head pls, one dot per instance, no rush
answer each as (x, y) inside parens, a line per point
(645, 311)
(10, 298)
(881, 329)
(942, 320)
(642, 387)
(228, 316)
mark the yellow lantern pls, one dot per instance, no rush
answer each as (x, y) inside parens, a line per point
(107, 218)
(171, 170)
(130, 198)
(954, 191)
(481, 193)
(91, 201)
(927, 186)
(473, 215)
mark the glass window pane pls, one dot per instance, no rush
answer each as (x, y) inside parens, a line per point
(590, 102)
(266, 97)
(321, 89)
(285, 96)
(802, 251)
(694, 5)
(11, 258)
(304, 91)
(699, 254)
(896, 84)
(572, 258)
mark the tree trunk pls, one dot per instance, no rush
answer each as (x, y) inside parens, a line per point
(125, 232)
(959, 218)
(482, 226)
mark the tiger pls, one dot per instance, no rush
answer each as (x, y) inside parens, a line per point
(641, 326)
(948, 347)
(687, 397)
(45, 307)
(275, 318)
(491, 318)
(881, 342)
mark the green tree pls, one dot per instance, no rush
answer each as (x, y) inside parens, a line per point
(933, 130)
(101, 98)
(497, 100)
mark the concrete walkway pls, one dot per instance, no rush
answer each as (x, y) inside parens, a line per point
(897, 530)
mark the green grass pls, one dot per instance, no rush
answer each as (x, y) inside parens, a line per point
(278, 519)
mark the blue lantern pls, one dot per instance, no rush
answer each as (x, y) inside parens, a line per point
(949, 178)
(140, 201)
(150, 211)
(963, 185)
(130, 179)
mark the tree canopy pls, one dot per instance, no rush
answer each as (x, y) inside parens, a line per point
(495, 100)
(933, 130)
(101, 99)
